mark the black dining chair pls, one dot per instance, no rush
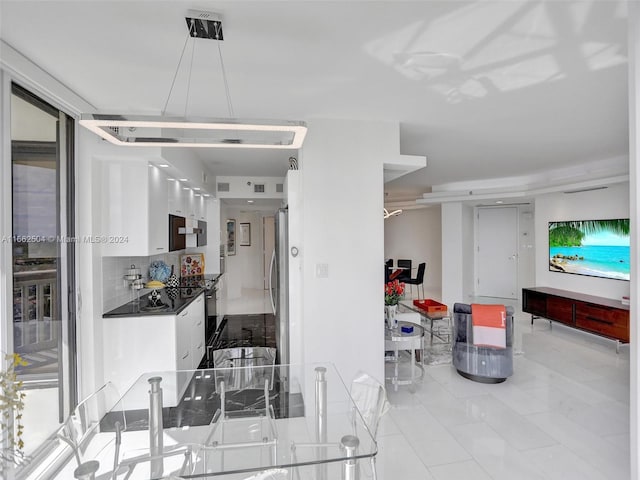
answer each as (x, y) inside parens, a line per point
(406, 273)
(388, 268)
(419, 280)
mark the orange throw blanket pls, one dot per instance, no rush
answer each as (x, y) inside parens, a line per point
(489, 325)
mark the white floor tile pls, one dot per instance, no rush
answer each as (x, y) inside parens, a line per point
(560, 463)
(433, 444)
(397, 460)
(595, 450)
(564, 414)
(495, 454)
(460, 470)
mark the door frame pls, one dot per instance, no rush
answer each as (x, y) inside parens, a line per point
(67, 272)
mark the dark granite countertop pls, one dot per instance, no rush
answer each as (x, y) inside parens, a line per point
(172, 302)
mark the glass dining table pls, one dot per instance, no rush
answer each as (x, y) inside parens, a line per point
(227, 422)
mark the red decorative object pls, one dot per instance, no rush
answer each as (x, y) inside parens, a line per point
(396, 274)
(430, 306)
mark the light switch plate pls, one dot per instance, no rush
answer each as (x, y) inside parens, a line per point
(322, 270)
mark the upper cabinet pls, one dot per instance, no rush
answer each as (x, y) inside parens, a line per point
(200, 207)
(134, 204)
(177, 199)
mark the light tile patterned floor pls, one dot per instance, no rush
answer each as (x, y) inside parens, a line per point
(564, 414)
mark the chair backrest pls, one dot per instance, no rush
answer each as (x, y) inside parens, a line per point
(234, 363)
(404, 263)
(100, 411)
(370, 398)
(388, 266)
(463, 326)
(420, 276)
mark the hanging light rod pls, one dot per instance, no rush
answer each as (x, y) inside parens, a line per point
(166, 131)
(151, 131)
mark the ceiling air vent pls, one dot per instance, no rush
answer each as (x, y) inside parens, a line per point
(258, 188)
(223, 187)
(279, 188)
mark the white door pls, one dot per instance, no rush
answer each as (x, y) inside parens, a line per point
(497, 252)
(269, 242)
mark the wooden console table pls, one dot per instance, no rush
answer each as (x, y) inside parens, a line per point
(598, 315)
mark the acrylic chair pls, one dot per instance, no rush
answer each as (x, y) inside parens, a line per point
(94, 425)
(243, 376)
(370, 399)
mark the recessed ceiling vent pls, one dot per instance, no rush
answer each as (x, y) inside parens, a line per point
(258, 188)
(223, 187)
(279, 188)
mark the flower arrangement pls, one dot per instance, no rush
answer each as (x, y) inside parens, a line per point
(11, 408)
(392, 292)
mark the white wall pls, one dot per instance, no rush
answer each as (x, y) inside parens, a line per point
(457, 253)
(526, 247)
(417, 235)
(342, 187)
(634, 182)
(612, 202)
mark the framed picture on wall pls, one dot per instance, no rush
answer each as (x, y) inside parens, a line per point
(231, 236)
(245, 234)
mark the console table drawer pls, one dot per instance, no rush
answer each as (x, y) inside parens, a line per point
(605, 321)
(599, 315)
(560, 310)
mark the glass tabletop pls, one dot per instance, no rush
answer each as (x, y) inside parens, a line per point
(218, 421)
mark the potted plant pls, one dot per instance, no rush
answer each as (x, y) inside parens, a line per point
(11, 408)
(393, 291)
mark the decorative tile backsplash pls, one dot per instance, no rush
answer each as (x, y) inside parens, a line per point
(115, 289)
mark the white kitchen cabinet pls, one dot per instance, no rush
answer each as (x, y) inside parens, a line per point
(197, 331)
(153, 343)
(176, 198)
(183, 341)
(134, 204)
(190, 204)
(200, 207)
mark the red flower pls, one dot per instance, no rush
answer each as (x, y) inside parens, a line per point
(392, 292)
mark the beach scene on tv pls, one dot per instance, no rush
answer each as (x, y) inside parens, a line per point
(598, 248)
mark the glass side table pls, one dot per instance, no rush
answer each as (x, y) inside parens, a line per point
(395, 340)
(439, 330)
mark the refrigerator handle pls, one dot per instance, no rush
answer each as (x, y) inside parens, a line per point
(271, 269)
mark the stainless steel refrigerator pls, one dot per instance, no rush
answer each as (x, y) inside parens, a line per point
(279, 285)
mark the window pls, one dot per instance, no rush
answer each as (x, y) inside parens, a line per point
(42, 327)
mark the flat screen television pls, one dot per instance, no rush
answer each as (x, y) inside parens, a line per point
(597, 248)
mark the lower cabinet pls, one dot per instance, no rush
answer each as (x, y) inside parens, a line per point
(153, 343)
(598, 315)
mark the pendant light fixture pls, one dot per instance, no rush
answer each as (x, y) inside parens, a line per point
(164, 131)
(388, 214)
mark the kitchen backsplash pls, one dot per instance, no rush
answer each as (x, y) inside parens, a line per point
(115, 289)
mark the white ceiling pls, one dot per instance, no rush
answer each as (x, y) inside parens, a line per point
(524, 87)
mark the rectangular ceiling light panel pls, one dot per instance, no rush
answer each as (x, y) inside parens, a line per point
(150, 131)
